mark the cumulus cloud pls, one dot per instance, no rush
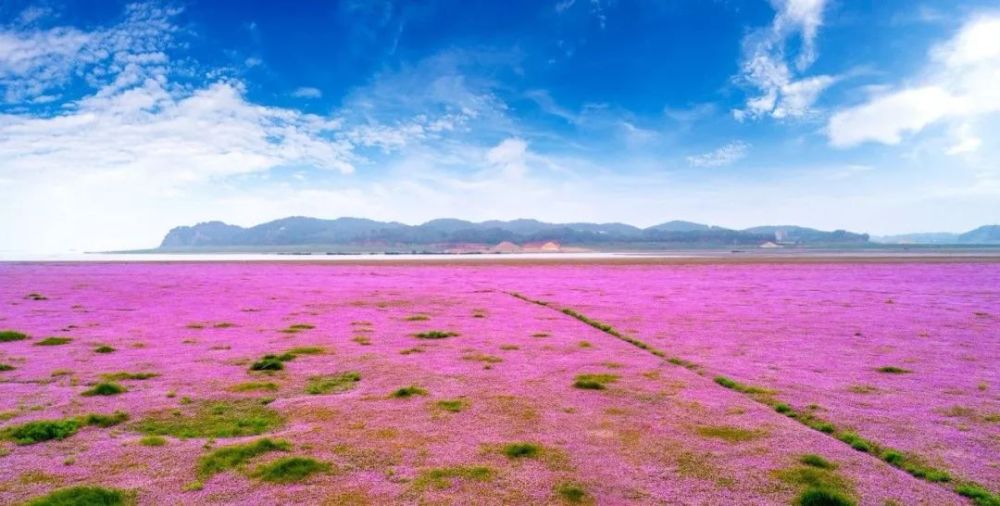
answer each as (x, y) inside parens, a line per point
(725, 155)
(782, 93)
(307, 92)
(958, 87)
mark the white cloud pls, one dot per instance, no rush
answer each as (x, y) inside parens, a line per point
(307, 92)
(782, 94)
(958, 86)
(725, 155)
(510, 156)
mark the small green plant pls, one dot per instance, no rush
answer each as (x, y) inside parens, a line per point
(105, 388)
(482, 357)
(417, 318)
(105, 421)
(435, 334)
(290, 469)
(857, 442)
(82, 496)
(35, 296)
(104, 349)
(739, 387)
(594, 381)
(571, 492)
(891, 369)
(153, 441)
(306, 350)
(521, 450)
(54, 341)
(334, 383)
(979, 495)
(6, 367)
(362, 340)
(232, 457)
(271, 362)
(298, 327)
(46, 430)
(782, 408)
(123, 376)
(7, 336)
(407, 392)
(451, 405)
(811, 459)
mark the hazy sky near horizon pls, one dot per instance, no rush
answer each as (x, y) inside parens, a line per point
(120, 120)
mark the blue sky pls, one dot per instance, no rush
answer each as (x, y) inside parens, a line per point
(121, 120)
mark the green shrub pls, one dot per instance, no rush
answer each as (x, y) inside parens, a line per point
(82, 496)
(268, 363)
(7, 336)
(153, 441)
(290, 469)
(104, 349)
(409, 391)
(332, 383)
(6, 367)
(979, 495)
(231, 457)
(811, 459)
(105, 421)
(571, 492)
(107, 388)
(42, 430)
(54, 341)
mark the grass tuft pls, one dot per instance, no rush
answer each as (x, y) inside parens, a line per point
(891, 369)
(123, 376)
(153, 441)
(823, 497)
(254, 386)
(335, 383)
(521, 450)
(46, 430)
(105, 388)
(451, 405)
(811, 459)
(290, 469)
(54, 341)
(594, 381)
(730, 433)
(104, 349)
(232, 457)
(82, 496)
(435, 334)
(234, 418)
(571, 492)
(407, 392)
(6, 367)
(7, 336)
(445, 477)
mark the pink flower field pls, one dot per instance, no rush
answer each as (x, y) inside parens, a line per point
(309, 383)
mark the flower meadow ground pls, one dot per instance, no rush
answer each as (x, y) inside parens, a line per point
(231, 383)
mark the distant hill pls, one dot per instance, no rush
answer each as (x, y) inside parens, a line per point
(358, 234)
(987, 234)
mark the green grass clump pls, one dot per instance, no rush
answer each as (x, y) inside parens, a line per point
(979, 495)
(571, 492)
(445, 477)
(290, 469)
(35, 296)
(729, 433)
(153, 441)
(47, 430)
(298, 327)
(123, 376)
(782, 408)
(42, 430)
(332, 383)
(53, 341)
(407, 392)
(106, 388)
(232, 457)
(104, 349)
(306, 350)
(212, 419)
(594, 381)
(254, 386)
(521, 450)
(823, 497)
(82, 496)
(7, 336)
(857, 442)
(811, 459)
(271, 362)
(435, 334)
(739, 387)
(891, 369)
(451, 405)
(6, 367)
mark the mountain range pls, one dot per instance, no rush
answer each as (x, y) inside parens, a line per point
(987, 234)
(356, 234)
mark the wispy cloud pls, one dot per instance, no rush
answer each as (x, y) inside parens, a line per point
(782, 92)
(958, 87)
(725, 155)
(307, 92)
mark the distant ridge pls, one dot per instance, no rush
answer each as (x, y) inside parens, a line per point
(357, 234)
(986, 234)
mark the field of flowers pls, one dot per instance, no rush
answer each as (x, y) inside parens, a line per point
(306, 383)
